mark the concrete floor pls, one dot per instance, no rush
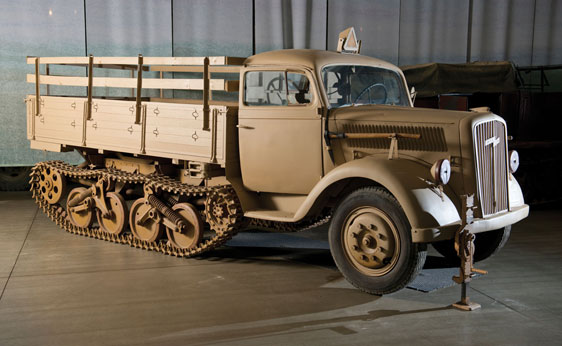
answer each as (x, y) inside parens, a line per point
(62, 289)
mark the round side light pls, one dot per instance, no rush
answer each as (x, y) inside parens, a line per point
(441, 171)
(513, 161)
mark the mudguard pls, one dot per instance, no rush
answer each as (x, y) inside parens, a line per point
(410, 183)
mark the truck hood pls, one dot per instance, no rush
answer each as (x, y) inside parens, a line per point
(443, 134)
(390, 114)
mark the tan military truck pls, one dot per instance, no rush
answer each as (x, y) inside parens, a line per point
(316, 136)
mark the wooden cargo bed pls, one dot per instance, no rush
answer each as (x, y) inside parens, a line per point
(174, 128)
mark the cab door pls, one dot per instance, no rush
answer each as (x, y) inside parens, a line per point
(279, 129)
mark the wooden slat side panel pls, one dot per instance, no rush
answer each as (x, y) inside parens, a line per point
(60, 121)
(112, 126)
(177, 130)
(213, 60)
(229, 104)
(173, 131)
(147, 83)
(213, 69)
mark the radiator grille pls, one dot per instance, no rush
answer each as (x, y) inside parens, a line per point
(432, 138)
(490, 153)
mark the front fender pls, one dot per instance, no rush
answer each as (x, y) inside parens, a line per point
(407, 180)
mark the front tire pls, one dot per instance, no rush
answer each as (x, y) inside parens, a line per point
(371, 242)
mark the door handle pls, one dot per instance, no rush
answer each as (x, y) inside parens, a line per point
(244, 127)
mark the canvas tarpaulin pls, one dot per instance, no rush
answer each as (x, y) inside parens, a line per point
(435, 79)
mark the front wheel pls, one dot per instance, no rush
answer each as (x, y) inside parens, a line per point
(371, 242)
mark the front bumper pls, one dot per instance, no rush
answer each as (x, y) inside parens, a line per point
(427, 235)
(498, 221)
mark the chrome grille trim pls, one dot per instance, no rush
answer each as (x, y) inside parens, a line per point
(490, 154)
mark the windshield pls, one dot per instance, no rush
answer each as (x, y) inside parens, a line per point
(348, 85)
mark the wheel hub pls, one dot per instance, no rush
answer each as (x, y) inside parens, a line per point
(371, 241)
(218, 210)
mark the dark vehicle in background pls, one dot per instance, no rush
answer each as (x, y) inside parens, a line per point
(528, 98)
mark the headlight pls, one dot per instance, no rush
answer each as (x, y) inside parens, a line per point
(441, 171)
(513, 161)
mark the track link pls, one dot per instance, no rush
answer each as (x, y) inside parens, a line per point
(159, 183)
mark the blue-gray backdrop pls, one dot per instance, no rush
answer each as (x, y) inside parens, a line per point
(403, 32)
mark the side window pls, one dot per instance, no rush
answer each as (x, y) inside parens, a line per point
(299, 88)
(276, 88)
(265, 88)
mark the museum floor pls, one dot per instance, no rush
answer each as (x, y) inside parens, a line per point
(62, 289)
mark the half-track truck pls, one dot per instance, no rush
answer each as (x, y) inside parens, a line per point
(315, 137)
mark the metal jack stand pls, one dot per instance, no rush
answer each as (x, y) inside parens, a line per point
(464, 245)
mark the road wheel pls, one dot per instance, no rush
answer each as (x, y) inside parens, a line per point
(485, 245)
(193, 234)
(118, 218)
(150, 230)
(371, 242)
(83, 217)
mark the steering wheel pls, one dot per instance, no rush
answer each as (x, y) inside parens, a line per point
(271, 88)
(368, 90)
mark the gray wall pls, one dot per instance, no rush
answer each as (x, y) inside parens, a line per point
(403, 32)
(34, 28)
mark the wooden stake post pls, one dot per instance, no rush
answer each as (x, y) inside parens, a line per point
(37, 89)
(139, 91)
(90, 86)
(206, 94)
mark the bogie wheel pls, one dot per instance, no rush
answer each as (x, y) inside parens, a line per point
(486, 245)
(79, 217)
(149, 230)
(52, 185)
(371, 243)
(116, 221)
(193, 233)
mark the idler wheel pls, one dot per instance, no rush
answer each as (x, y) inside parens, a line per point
(79, 215)
(52, 185)
(193, 233)
(147, 230)
(116, 219)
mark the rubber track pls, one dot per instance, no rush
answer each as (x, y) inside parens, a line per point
(159, 183)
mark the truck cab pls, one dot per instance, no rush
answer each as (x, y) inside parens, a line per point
(286, 95)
